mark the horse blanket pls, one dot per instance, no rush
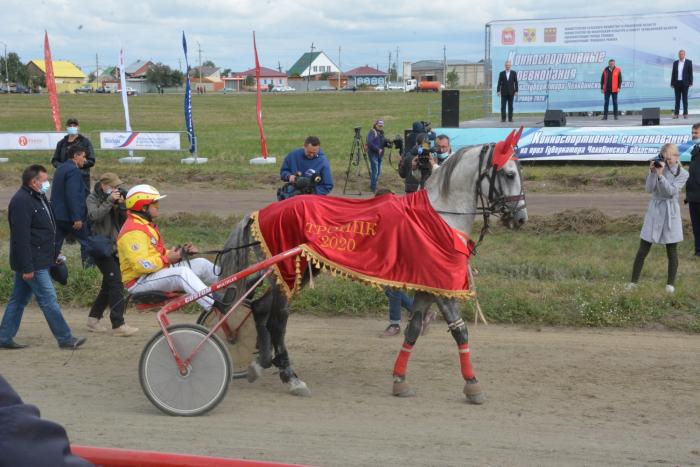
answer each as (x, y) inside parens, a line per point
(386, 241)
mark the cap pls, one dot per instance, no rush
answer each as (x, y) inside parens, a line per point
(111, 179)
(379, 122)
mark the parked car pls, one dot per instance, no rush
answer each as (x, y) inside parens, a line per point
(283, 89)
(131, 92)
(103, 90)
(83, 90)
(19, 89)
(3, 89)
(326, 88)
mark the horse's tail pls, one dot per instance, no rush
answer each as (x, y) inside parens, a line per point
(236, 259)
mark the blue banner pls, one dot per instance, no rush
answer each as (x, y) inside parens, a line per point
(559, 62)
(629, 144)
(188, 102)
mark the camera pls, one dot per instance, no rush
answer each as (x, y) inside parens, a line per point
(303, 184)
(122, 192)
(658, 160)
(357, 131)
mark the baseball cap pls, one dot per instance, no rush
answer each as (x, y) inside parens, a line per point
(379, 122)
(111, 179)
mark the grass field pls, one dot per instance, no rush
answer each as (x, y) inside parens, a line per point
(560, 270)
(228, 135)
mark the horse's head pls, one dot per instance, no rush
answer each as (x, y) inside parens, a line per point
(502, 179)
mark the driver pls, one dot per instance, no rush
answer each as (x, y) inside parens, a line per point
(308, 162)
(146, 264)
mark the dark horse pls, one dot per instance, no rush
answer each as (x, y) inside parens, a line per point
(479, 180)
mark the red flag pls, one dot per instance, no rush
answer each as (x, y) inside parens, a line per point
(258, 105)
(51, 84)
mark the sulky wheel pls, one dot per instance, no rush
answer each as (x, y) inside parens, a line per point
(205, 381)
(239, 333)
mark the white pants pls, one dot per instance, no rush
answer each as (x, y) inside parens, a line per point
(180, 277)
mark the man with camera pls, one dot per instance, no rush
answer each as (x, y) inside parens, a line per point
(692, 188)
(417, 164)
(306, 170)
(376, 142)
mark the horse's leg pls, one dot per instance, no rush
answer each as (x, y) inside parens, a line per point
(450, 311)
(262, 309)
(421, 303)
(277, 326)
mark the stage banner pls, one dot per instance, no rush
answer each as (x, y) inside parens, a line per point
(630, 144)
(258, 104)
(34, 141)
(145, 141)
(188, 102)
(560, 61)
(51, 84)
(122, 81)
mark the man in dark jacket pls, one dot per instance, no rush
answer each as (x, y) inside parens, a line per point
(416, 165)
(375, 151)
(32, 231)
(681, 80)
(308, 161)
(692, 187)
(74, 138)
(68, 200)
(507, 88)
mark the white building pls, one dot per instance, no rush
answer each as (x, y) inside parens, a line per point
(313, 64)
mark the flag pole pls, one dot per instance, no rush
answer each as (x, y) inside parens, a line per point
(189, 123)
(264, 159)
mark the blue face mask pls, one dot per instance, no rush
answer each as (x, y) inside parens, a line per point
(696, 141)
(72, 130)
(45, 186)
(442, 155)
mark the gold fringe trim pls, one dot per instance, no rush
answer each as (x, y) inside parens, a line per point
(337, 270)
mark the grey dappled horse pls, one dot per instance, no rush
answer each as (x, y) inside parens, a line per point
(465, 186)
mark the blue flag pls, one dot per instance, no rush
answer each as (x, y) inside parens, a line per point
(188, 102)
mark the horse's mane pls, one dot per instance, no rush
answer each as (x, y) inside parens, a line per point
(444, 175)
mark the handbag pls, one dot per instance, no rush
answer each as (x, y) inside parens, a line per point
(99, 246)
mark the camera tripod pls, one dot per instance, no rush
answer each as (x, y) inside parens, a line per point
(358, 149)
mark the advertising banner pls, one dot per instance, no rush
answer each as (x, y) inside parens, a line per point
(145, 141)
(29, 141)
(559, 62)
(639, 143)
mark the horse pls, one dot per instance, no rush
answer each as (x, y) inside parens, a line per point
(477, 180)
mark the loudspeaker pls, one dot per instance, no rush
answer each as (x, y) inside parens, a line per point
(651, 116)
(554, 118)
(450, 109)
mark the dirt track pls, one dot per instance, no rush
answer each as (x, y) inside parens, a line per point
(224, 203)
(556, 397)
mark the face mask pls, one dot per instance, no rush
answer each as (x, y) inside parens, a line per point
(696, 141)
(45, 187)
(72, 130)
(442, 155)
(108, 191)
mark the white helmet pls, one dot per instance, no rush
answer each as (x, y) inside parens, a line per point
(140, 196)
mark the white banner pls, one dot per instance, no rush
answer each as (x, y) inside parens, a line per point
(29, 141)
(145, 141)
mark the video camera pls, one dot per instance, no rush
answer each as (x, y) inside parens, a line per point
(303, 184)
(658, 160)
(423, 159)
(397, 143)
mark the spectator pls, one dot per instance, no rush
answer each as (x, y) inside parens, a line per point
(375, 151)
(443, 150)
(68, 200)
(107, 213)
(692, 189)
(75, 138)
(416, 165)
(32, 232)
(662, 223)
(308, 161)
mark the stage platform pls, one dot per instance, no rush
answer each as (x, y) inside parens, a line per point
(575, 121)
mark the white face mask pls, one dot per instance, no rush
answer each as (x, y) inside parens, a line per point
(45, 186)
(72, 130)
(696, 141)
(108, 191)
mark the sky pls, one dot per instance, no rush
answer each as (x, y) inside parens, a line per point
(366, 32)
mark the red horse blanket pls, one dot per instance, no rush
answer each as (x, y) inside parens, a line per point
(396, 241)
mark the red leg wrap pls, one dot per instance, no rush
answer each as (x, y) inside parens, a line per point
(465, 362)
(402, 360)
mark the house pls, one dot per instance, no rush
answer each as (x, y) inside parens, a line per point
(207, 78)
(313, 65)
(268, 77)
(233, 83)
(109, 78)
(66, 75)
(138, 69)
(469, 74)
(365, 76)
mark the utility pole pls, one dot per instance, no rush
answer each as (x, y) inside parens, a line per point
(397, 63)
(7, 72)
(97, 67)
(308, 73)
(339, 67)
(279, 66)
(444, 64)
(179, 64)
(199, 48)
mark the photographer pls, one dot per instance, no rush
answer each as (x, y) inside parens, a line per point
(107, 213)
(375, 150)
(662, 223)
(423, 161)
(310, 163)
(692, 189)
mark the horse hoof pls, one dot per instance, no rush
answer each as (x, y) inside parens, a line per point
(402, 389)
(474, 393)
(299, 388)
(254, 372)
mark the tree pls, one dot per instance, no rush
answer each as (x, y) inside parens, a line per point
(209, 63)
(452, 79)
(163, 76)
(393, 76)
(325, 76)
(17, 71)
(226, 72)
(249, 81)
